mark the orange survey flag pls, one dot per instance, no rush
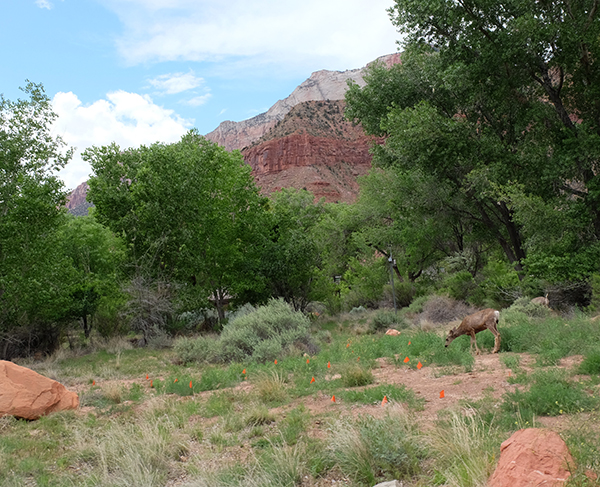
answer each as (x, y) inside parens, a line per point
(384, 401)
(174, 381)
(347, 345)
(328, 365)
(406, 360)
(146, 376)
(333, 398)
(409, 343)
(275, 362)
(93, 382)
(312, 380)
(442, 395)
(244, 371)
(307, 361)
(151, 384)
(190, 384)
(419, 365)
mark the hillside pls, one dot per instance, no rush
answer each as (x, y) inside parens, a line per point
(314, 147)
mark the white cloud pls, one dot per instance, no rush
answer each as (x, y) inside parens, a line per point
(198, 100)
(129, 119)
(173, 83)
(331, 34)
(44, 4)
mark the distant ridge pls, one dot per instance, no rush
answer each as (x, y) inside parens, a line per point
(320, 86)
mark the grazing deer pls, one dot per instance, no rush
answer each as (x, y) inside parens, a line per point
(543, 300)
(482, 320)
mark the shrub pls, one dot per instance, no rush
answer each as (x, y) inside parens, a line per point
(385, 319)
(440, 309)
(355, 376)
(200, 349)
(265, 333)
(533, 310)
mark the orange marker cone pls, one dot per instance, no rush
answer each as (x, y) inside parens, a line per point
(190, 384)
(312, 380)
(442, 395)
(146, 376)
(275, 361)
(419, 365)
(406, 360)
(347, 345)
(409, 343)
(307, 361)
(244, 371)
(384, 401)
(333, 398)
(328, 365)
(151, 384)
(93, 382)
(174, 381)
(358, 359)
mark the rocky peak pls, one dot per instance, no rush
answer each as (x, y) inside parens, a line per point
(320, 86)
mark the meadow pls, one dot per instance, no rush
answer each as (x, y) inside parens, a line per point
(355, 408)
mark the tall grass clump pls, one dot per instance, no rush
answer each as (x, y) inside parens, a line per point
(550, 394)
(370, 450)
(465, 449)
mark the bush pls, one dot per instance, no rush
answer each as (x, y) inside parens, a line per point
(440, 309)
(265, 334)
(533, 310)
(385, 319)
(356, 376)
(200, 349)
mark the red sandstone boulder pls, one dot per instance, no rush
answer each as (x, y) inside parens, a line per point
(29, 395)
(532, 457)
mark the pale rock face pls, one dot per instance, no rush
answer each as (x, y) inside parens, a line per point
(322, 85)
(29, 395)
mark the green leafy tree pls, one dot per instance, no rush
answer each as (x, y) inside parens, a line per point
(96, 255)
(33, 274)
(498, 102)
(291, 256)
(189, 211)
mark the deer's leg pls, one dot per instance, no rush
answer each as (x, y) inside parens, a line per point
(496, 340)
(474, 340)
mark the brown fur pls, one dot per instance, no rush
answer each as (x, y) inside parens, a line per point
(543, 300)
(486, 319)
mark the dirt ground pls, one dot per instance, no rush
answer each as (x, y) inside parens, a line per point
(488, 378)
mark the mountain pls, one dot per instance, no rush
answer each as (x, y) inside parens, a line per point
(302, 141)
(314, 147)
(320, 86)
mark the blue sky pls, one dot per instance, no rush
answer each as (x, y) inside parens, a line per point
(141, 71)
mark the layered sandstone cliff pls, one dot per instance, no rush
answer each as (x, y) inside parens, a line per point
(314, 148)
(322, 85)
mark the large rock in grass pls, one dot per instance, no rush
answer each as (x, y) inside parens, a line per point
(533, 457)
(29, 395)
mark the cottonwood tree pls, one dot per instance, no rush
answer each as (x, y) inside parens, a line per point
(498, 102)
(189, 212)
(33, 274)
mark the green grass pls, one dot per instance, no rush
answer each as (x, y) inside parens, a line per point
(374, 395)
(132, 434)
